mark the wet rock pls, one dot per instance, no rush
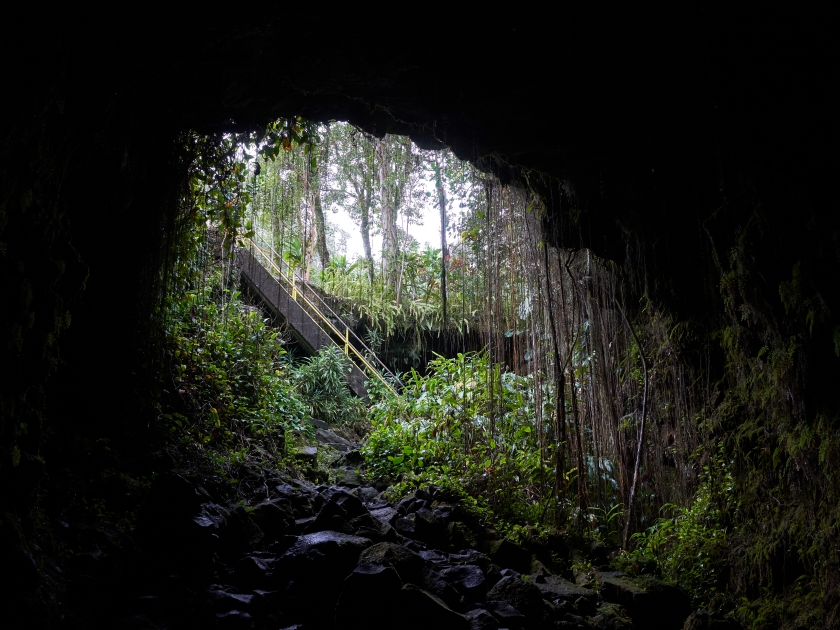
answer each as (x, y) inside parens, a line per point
(307, 455)
(647, 599)
(434, 557)
(507, 615)
(556, 589)
(480, 619)
(315, 568)
(422, 610)
(253, 570)
(274, 517)
(386, 514)
(348, 476)
(234, 619)
(354, 610)
(470, 556)
(225, 601)
(468, 580)
(367, 495)
(435, 584)
(509, 555)
(422, 525)
(333, 440)
(522, 595)
(242, 532)
(180, 525)
(301, 524)
(347, 501)
(539, 571)
(367, 526)
(352, 458)
(408, 564)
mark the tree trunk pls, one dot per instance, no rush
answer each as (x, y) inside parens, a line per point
(388, 214)
(444, 252)
(320, 223)
(320, 230)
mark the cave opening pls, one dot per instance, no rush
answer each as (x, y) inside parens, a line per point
(687, 152)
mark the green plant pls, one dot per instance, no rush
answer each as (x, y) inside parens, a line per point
(469, 424)
(690, 547)
(321, 381)
(226, 380)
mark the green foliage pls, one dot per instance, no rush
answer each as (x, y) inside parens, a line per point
(320, 379)
(690, 547)
(469, 425)
(226, 370)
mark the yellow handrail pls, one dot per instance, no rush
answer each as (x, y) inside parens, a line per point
(344, 336)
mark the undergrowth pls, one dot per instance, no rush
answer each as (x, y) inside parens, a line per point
(468, 426)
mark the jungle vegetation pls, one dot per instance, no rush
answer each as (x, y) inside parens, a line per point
(585, 405)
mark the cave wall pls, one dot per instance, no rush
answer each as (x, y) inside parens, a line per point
(688, 142)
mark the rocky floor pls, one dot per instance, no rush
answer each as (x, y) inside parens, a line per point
(338, 556)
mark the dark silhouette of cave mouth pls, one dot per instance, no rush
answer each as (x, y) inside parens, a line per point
(648, 135)
(653, 137)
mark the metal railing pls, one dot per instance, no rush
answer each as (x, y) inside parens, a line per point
(292, 281)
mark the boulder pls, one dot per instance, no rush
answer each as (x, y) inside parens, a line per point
(470, 556)
(369, 527)
(421, 610)
(274, 517)
(314, 569)
(355, 610)
(180, 525)
(522, 595)
(333, 440)
(509, 555)
(507, 615)
(647, 599)
(307, 455)
(555, 589)
(422, 525)
(385, 514)
(480, 619)
(348, 476)
(468, 580)
(408, 564)
(351, 505)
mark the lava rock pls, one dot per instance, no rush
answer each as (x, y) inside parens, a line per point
(314, 569)
(348, 476)
(307, 455)
(274, 517)
(522, 595)
(509, 555)
(408, 564)
(480, 619)
(354, 610)
(422, 610)
(468, 580)
(507, 615)
(647, 600)
(555, 589)
(385, 514)
(369, 527)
